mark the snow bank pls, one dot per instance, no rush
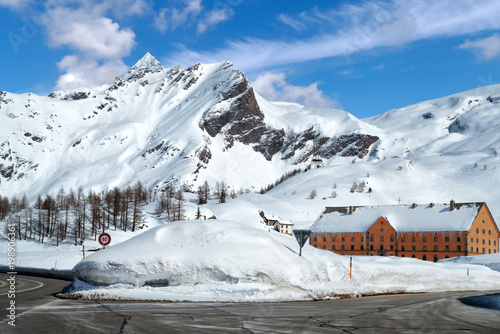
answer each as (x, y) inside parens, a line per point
(226, 261)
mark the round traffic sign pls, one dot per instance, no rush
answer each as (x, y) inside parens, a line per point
(104, 239)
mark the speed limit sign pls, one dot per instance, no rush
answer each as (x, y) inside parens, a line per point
(104, 239)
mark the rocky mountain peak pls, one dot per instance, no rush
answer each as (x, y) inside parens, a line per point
(147, 64)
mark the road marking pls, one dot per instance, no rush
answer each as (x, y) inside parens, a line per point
(28, 280)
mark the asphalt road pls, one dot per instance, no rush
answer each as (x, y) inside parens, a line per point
(39, 311)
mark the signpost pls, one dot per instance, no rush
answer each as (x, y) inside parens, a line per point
(104, 239)
(301, 236)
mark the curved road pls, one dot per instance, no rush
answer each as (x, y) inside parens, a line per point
(39, 311)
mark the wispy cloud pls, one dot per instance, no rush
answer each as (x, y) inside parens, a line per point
(171, 18)
(487, 48)
(215, 17)
(14, 4)
(274, 87)
(355, 28)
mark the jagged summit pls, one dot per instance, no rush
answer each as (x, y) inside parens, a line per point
(147, 64)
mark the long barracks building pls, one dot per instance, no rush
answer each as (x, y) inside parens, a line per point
(429, 232)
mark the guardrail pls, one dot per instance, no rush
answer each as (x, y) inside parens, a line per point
(67, 275)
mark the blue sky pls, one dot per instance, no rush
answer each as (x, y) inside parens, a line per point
(365, 57)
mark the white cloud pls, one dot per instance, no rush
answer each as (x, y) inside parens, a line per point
(274, 87)
(14, 4)
(172, 18)
(98, 37)
(97, 42)
(488, 47)
(87, 72)
(214, 17)
(356, 28)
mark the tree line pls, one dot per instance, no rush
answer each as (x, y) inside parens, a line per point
(76, 215)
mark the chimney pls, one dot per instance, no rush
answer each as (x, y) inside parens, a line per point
(351, 210)
(431, 205)
(452, 205)
(414, 205)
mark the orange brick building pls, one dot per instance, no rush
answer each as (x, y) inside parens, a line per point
(428, 232)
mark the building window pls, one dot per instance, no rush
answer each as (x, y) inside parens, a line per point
(413, 239)
(342, 247)
(446, 256)
(371, 247)
(381, 239)
(435, 248)
(315, 239)
(489, 242)
(402, 239)
(382, 230)
(424, 257)
(435, 239)
(447, 239)
(403, 255)
(484, 252)
(494, 242)
(472, 249)
(371, 238)
(333, 247)
(381, 247)
(343, 238)
(483, 241)
(324, 246)
(333, 238)
(392, 247)
(413, 256)
(489, 232)
(477, 249)
(392, 238)
(362, 239)
(413, 248)
(458, 249)
(362, 247)
(446, 248)
(435, 258)
(425, 239)
(402, 247)
(483, 231)
(324, 238)
(352, 238)
(489, 251)
(477, 230)
(424, 248)
(458, 239)
(352, 247)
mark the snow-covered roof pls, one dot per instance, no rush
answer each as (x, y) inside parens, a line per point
(285, 222)
(404, 218)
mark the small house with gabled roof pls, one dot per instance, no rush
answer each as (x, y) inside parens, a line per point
(429, 232)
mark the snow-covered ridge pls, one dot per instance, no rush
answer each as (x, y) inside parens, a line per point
(162, 125)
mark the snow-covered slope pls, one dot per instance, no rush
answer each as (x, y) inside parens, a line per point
(161, 125)
(158, 125)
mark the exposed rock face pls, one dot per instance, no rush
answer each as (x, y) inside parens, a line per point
(244, 122)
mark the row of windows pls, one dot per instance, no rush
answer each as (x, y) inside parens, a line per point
(484, 241)
(403, 239)
(403, 248)
(484, 231)
(483, 250)
(446, 248)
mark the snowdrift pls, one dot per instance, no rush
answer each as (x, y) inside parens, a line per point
(225, 261)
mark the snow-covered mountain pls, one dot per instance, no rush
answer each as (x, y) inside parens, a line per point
(155, 125)
(160, 125)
